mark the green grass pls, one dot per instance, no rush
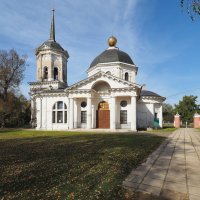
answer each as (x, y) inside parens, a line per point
(68, 165)
(163, 130)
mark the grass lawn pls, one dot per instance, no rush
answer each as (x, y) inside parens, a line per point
(163, 131)
(69, 165)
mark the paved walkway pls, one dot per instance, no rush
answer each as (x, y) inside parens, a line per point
(173, 170)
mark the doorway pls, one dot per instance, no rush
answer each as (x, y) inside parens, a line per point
(103, 115)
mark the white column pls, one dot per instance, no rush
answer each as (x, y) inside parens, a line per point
(40, 113)
(68, 111)
(75, 113)
(89, 113)
(71, 113)
(161, 116)
(133, 113)
(112, 113)
(93, 117)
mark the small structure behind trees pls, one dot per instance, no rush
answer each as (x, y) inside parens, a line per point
(14, 108)
(185, 113)
(186, 108)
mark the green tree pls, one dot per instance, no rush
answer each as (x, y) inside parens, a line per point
(187, 108)
(17, 113)
(192, 7)
(168, 113)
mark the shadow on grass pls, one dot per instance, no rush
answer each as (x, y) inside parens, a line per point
(76, 166)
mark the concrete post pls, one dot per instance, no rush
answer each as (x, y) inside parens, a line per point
(196, 120)
(177, 121)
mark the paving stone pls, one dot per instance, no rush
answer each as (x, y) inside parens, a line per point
(162, 162)
(194, 190)
(172, 195)
(153, 182)
(172, 178)
(173, 165)
(150, 189)
(194, 197)
(176, 169)
(136, 179)
(193, 176)
(128, 184)
(175, 186)
(154, 175)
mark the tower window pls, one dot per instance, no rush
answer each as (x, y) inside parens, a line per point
(55, 73)
(45, 73)
(59, 112)
(126, 76)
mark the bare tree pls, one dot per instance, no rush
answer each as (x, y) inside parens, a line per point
(192, 7)
(12, 68)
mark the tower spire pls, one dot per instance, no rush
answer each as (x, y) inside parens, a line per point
(52, 31)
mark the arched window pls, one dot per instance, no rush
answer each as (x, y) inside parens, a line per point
(126, 76)
(59, 112)
(45, 73)
(55, 73)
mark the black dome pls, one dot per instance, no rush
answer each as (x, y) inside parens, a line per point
(149, 93)
(112, 55)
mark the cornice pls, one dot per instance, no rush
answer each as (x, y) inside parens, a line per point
(153, 98)
(102, 74)
(112, 64)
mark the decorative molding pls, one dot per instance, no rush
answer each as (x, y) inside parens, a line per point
(102, 74)
(112, 64)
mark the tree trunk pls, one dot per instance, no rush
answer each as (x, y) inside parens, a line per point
(5, 94)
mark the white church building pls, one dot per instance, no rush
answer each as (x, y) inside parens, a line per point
(108, 98)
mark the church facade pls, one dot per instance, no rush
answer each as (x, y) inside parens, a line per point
(108, 98)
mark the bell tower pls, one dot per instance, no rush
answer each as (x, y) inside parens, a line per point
(52, 61)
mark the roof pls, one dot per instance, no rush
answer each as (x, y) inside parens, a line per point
(149, 93)
(112, 55)
(53, 45)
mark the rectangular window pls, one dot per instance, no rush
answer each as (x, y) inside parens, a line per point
(123, 116)
(83, 117)
(54, 117)
(60, 117)
(65, 116)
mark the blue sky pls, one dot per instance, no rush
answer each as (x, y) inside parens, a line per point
(162, 41)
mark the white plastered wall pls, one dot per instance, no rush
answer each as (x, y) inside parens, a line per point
(116, 70)
(45, 104)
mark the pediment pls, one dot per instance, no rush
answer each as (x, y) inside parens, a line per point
(112, 81)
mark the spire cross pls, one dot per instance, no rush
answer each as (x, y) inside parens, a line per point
(52, 32)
